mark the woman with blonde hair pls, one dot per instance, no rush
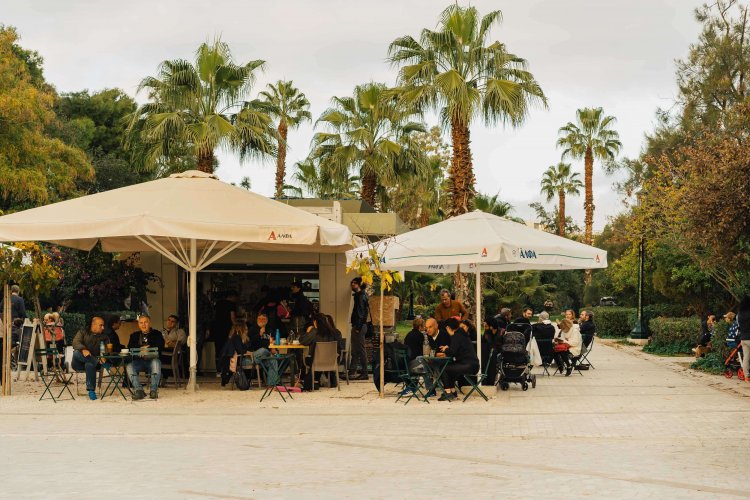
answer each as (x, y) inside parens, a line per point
(570, 338)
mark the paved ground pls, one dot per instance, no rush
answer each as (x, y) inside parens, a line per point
(637, 426)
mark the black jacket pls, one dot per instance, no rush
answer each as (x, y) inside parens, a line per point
(414, 341)
(152, 339)
(462, 350)
(743, 320)
(361, 310)
(442, 339)
(111, 337)
(239, 346)
(84, 339)
(17, 307)
(256, 341)
(302, 306)
(312, 336)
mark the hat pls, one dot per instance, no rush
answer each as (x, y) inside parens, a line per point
(730, 316)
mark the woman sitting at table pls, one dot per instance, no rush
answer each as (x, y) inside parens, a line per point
(241, 341)
(572, 338)
(319, 331)
(465, 358)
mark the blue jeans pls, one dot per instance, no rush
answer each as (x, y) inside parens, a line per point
(89, 364)
(152, 366)
(419, 361)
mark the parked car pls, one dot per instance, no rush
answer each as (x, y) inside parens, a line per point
(607, 301)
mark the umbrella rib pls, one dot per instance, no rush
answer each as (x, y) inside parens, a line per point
(151, 242)
(221, 253)
(179, 250)
(205, 254)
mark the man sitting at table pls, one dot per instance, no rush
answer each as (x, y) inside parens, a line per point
(144, 338)
(437, 338)
(448, 308)
(464, 356)
(86, 353)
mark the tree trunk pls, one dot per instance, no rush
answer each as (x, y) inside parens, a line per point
(281, 159)
(206, 162)
(38, 308)
(561, 213)
(588, 204)
(461, 173)
(369, 186)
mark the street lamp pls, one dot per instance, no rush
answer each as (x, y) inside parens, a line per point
(640, 332)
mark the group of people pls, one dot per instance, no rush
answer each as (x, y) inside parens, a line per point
(738, 331)
(87, 351)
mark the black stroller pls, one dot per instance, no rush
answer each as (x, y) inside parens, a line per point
(513, 360)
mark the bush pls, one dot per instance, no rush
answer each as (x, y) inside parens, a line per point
(673, 335)
(73, 323)
(655, 311)
(613, 321)
(711, 363)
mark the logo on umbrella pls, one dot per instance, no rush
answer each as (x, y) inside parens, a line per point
(279, 236)
(484, 252)
(597, 258)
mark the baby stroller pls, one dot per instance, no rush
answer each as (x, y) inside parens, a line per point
(733, 363)
(513, 360)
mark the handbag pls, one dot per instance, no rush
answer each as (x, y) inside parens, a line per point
(240, 380)
(561, 347)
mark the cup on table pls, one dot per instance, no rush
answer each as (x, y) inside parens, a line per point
(295, 342)
(283, 341)
(109, 348)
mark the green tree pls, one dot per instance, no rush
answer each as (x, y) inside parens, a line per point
(201, 107)
(549, 220)
(492, 205)
(290, 107)
(368, 133)
(35, 168)
(559, 180)
(456, 71)
(591, 137)
(325, 184)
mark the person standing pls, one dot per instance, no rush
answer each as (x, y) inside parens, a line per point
(360, 313)
(225, 315)
(743, 323)
(86, 353)
(17, 304)
(525, 317)
(449, 308)
(144, 338)
(301, 309)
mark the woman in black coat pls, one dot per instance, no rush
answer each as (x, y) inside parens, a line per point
(464, 355)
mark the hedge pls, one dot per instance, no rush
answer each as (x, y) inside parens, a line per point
(613, 321)
(73, 323)
(673, 335)
(713, 362)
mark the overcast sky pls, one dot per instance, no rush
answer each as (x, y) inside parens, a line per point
(614, 54)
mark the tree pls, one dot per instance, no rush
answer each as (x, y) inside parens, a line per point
(35, 168)
(39, 274)
(550, 220)
(558, 181)
(492, 205)
(455, 71)
(369, 133)
(326, 184)
(287, 104)
(201, 107)
(591, 137)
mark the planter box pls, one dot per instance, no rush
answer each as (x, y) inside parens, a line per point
(390, 305)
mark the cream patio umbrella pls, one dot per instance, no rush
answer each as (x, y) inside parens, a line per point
(481, 242)
(191, 218)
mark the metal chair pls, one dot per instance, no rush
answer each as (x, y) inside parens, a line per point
(479, 379)
(175, 364)
(68, 365)
(325, 359)
(588, 345)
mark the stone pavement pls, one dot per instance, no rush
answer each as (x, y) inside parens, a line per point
(636, 426)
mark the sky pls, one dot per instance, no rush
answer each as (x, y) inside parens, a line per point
(584, 53)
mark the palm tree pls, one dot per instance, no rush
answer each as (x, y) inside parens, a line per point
(369, 133)
(455, 71)
(492, 205)
(323, 183)
(286, 103)
(590, 137)
(559, 180)
(201, 107)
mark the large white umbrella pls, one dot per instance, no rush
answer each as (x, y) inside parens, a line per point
(481, 242)
(191, 218)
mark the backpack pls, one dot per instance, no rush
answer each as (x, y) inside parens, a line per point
(241, 381)
(513, 343)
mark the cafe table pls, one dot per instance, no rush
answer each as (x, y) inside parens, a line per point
(437, 367)
(294, 348)
(117, 362)
(280, 364)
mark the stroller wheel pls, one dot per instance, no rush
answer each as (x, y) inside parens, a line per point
(740, 374)
(533, 381)
(525, 386)
(504, 386)
(728, 373)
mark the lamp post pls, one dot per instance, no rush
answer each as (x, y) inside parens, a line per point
(639, 331)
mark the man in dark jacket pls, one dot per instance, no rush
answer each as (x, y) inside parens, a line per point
(359, 318)
(525, 317)
(17, 305)
(301, 309)
(145, 337)
(464, 355)
(414, 340)
(86, 352)
(587, 327)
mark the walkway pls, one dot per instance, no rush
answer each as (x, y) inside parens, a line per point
(634, 427)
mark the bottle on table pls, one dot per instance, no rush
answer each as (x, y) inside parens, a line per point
(278, 337)
(102, 352)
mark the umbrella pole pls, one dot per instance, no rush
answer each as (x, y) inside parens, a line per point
(478, 320)
(192, 309)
